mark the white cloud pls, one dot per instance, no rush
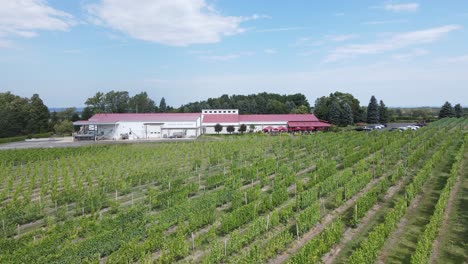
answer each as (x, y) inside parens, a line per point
(25, 18)
(281, 29)
(173, 23)
(341, 38)
(410, 55)
(408, 7)
(382, 22)
(269, 51)
(459, 59)
(393, 42)
(339, 14)
(225, 57)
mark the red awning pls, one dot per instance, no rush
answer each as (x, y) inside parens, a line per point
(308, 124)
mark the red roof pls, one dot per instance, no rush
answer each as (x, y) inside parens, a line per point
(277, 118)
(221, 118)
(308, 124)
(145, 117)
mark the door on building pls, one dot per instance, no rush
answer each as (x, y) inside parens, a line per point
(153, 131)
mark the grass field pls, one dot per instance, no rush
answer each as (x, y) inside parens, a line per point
(326, 197)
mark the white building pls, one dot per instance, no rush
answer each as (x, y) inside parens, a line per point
(167, 125)
(143, 126)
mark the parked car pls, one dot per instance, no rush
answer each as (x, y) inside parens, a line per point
(87, 135)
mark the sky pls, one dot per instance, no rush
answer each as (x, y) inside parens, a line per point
(406, 53)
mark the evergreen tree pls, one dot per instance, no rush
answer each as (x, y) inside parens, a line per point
(347, 115)
(335, 116)
(162, 106)
(373, 111)
(383, 113)
(458, 111)
(446, 111)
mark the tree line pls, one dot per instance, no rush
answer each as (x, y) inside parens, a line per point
(24, 116)
(344, 109)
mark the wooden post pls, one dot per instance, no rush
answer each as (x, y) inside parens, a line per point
(268, 221)
(193, 242)
(18, 228)
(297, 230)
(225, 247)
(3, 225)
(116, 195)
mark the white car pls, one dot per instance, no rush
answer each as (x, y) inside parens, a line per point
(413, 127)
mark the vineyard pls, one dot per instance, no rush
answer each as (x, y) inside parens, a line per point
(348, 197)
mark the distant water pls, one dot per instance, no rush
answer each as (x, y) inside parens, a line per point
(61, 109)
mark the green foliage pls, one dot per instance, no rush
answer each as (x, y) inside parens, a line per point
(339, 108)
(262, 103)
(22, 116)
(383, 113)
(230, 129)
(373, 111)
(242, 128)
(218, 128)
(458, 111)
(64, 128)
(446, 111)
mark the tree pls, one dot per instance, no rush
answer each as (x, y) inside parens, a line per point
(458, 110)
(242, 128)
(64, 128)
(335, 113)
(218, 128)
(162, 105)
(141, 103)
(96, 103)
(383, 113)
(347, 115)
(116, 101)
(446, 111)
(252, 127)
(373, 111)
(230, 129)
(87, 113)
(300, 110)
(38, 116)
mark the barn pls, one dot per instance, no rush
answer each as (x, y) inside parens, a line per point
(142, 125)
(135, 126)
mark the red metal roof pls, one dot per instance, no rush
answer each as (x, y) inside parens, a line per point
(308, 124)
(221, 118)
(278, 118)
(112, 118)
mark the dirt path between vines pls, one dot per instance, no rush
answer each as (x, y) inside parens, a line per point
(393, 239)
(448, 210)
(350, 233)
(298, 244)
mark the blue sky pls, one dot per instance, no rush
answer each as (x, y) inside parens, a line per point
(407, 53)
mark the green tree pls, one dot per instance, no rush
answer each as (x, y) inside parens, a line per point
(446, 111)
(64, 128)
(218, 128)
(458, 110)
(141, 103)
(96, 103)
(373, 111)
(116, 101)
(300, 110)
(252, 127)
(38, 115)
(242, 128)
(335, 113)
(87, 113)
(230, 129)
(383, 113)
(162, 106)
(347, 115)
